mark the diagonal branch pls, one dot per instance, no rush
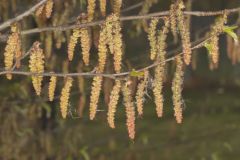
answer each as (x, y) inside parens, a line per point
(21, 16)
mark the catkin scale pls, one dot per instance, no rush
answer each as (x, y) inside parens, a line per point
(95, 93)
(36, 65)
(64, 99)
(112, 106)
(52, 87)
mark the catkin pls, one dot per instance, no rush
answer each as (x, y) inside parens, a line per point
(117, 7)
(52, 87)
(49, 8)
(91, 9)
(112, 106)
(12, 49)
(160, 69)
(95, 93)
(184, 32)
(85, 44)
(72, 43)
(102, 50)
(36, 65)
(103, 5)
(152, 38)
(140, 93)
(130, 111)
(64, 99)
(177, 89)
(173, 19)
(39, 11)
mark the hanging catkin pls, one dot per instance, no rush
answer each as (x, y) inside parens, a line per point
(64, 99)
(102, 49)
(91, 9)
(112, 106)
(103, 4)
(152, 38)
(160, 69)
(72, 43)
(49, 8)
(52, 87)
(117, 7)
(173, 19)
(95, 93)
(140, 93)
(85, 44)
(177, 90)
(36, 65)
(184, 32)
(12, 50)
(130, 110)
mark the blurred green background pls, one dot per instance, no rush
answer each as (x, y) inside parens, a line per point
(32, 128)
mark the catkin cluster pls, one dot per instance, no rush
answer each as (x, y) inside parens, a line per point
(95, 93)
(36, 65)
(184, 32)
(13, 50)
(177, 89)
(112, 106)
(52, 87)
(141, 92)
(160, 69)
(114, 40)
(130, 110)
(64, 99)
(91, 9)
(84, 35)
(46, 9)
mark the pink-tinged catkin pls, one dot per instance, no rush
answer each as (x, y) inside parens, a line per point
(177, 85)
(130, 110)
(112, 106)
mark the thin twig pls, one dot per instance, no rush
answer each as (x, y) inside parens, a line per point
(21, 16)
(125, 18)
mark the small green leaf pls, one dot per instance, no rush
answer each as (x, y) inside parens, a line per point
(135, 73)
(230, 31)
(209, 47)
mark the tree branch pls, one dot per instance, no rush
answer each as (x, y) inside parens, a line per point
(21, 16)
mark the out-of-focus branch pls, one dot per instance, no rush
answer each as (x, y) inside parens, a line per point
(21, 16)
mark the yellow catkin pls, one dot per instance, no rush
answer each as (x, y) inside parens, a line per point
(173, 19)
(95, 93)
(216, 30)
(85, 44)
(52, 87)
(102, 49)
(49, 8)
(12, 49)
(177, 90)
(184, 32)
(39, 11)
(109, 33)
(64, 99)
(36, 65)
(140, 93)
(160, 70)
(72, 43)
(112, 106)
(130, 111)
(103, 4)
(152, 38)
(117, 7)
(91, 9)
